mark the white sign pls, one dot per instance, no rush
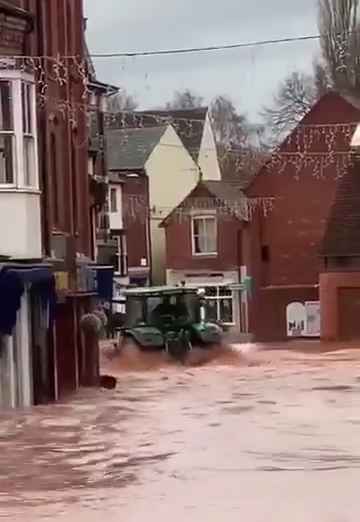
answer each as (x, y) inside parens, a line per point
(295, 319)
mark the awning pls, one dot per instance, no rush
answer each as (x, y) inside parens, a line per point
(31, 275)
(13, 279)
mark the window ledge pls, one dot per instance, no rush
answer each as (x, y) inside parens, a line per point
(23, 190)
(206, 255)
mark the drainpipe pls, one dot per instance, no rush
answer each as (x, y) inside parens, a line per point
(43, 142)
(148, 231)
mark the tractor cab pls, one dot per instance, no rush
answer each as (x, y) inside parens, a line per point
(156, 314)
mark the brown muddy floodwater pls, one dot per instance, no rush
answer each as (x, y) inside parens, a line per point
(274, 436)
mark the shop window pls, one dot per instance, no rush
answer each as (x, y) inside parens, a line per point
(219, 304)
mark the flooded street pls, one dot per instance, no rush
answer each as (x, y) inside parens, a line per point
(272, 437)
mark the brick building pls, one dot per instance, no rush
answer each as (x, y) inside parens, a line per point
(340, 277)
(282, 249)
(44, 187)
(204, 249)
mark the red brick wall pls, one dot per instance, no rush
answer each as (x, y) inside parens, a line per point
(136, 213)
(330, 285)
(179, 246)
(65, 181)
(293, 231)
(267, 311)
(179, 241)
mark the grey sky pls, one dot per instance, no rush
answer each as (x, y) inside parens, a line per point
(248, 76)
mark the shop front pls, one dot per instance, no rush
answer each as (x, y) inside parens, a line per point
(27, 304)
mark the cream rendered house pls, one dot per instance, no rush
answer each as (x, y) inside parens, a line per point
(173, 161)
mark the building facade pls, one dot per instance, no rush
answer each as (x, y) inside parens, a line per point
(204, 250)
(44, 186)
(340, 277)
(173, 148)
(154, 171)
(283, 245)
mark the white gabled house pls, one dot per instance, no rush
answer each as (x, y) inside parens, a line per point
(172, 150)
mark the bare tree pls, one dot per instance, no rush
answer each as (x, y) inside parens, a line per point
(122, 102)
(185, 100)
(340, 42)
(238, 141)
(322, 80)
(295, 96)
(229, 126)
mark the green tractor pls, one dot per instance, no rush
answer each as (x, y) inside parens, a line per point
(171, 319)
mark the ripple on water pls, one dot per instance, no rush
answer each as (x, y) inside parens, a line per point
(335, 388)
(237, 410)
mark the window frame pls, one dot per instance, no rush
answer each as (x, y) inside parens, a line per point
(10, 133)
(113, 190)
(204, 218)
(17, 79)
(218, 298)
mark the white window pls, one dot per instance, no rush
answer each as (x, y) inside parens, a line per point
(115, 209)
(204, 235)
(219, 304)
(18, 140)
(7, 134)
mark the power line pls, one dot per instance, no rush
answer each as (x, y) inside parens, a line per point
(206, 49)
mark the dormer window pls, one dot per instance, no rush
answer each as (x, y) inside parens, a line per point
(18, 140)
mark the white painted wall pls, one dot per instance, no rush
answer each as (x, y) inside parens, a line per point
(208, 158)
(24, 360)
(16, 384)
(158, 253)
(20, 224)
(116, 218)
(7, 374)
(202, 279)
(172, 175)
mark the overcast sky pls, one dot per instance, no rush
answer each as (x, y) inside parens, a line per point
(248, 76)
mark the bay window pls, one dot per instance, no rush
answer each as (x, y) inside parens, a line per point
(219, 304)
(18, 147)
(204, 235)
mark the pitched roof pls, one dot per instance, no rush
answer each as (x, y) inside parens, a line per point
(131, 148)
(349, 100)
(342, 235)
(189, 124)
(229, 194)
(224, 191)
(352, 99)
